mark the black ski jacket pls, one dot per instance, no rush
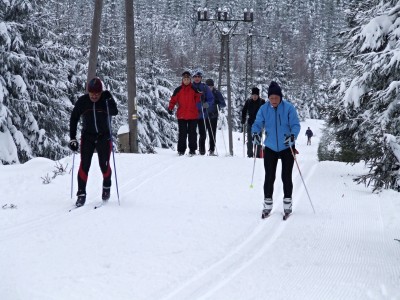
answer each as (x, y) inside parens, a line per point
(94, 115)
(251, 107)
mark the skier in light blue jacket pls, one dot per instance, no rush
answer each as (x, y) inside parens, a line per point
(281, 123)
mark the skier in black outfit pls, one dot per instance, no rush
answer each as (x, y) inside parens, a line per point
(309, 134)
(251, 108)
(94, 108)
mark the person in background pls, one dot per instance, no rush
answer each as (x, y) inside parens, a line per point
(250, 108)
(95, 109)
(186, 98)
(281, 123)
(309, 134)
(207, 100)
(219, 103)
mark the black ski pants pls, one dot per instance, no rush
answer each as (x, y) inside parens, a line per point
(270, 162)
(187, 130)
(202, 135)
(89, 143)
(212, 132)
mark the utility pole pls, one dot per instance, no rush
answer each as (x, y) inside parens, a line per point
(249, 60)
(131, 77)
(94, 40)
(225, 34)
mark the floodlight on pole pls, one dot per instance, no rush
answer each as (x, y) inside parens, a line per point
(225, 35)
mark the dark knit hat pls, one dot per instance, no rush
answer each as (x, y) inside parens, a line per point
(255, 91)
(198, 73)
(95, 85)
(274, 89)
(186, 74)
(210, 82)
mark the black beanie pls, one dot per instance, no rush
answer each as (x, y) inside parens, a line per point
(210, 82)
(274, 89)
(95, 85)
(255, 91)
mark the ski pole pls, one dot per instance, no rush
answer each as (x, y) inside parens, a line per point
(112, 148)
(72, 172)
(254, 165)
(205, 127)
(298, 168)
(222, 131)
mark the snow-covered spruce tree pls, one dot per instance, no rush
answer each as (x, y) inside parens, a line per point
(366, 108)
(155, 127)
(33, 85)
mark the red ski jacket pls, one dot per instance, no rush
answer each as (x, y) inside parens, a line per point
(186, 98)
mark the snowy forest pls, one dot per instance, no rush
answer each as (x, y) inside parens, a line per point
(335, 60)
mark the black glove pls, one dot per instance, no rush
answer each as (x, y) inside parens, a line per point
(205, 105)
(256, 139)
(289, 140)
(73, 145)
(170, 111)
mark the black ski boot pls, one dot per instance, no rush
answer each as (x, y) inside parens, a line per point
(81, 199)
(106, 193)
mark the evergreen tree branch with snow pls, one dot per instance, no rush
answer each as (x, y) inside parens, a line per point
(365, 105)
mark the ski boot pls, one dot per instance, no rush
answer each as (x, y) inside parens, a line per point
(81, 199)
(212, 153)
(287, 207)
(267, 208)
(106, 193)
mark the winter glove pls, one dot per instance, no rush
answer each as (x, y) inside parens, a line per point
(205, 105)
(170, 111)
(73, 145)
(256, 138)
(289, 140)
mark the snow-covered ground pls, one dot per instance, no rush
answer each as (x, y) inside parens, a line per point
(190, 228)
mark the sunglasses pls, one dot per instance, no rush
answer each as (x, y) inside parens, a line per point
(196, 76)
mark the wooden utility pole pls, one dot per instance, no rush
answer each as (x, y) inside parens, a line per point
(94, 41)
(225, 34)
(131, 76)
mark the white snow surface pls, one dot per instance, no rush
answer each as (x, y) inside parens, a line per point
(191, 228)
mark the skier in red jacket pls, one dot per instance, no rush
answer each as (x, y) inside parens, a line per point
(186, 98)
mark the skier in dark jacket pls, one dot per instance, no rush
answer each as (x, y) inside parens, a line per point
(309, 134)
(280, 121)
(219, 102)
(96, 109)
(207, 100)
(251, 108)
(187, 99)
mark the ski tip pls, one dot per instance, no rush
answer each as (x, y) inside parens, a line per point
(251, 186)
(286, 216)
(264, 216)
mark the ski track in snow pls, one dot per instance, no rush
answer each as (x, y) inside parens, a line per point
(204, 284)
(309, 256)
(26, 227)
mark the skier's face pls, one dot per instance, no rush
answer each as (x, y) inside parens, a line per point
(94, 97)
(197, 79)
(274, 100)
(186, 80)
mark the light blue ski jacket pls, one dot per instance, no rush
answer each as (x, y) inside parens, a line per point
(278, 123)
